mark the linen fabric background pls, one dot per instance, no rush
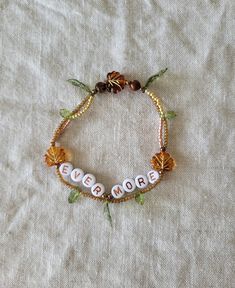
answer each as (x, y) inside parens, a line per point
(183, 236)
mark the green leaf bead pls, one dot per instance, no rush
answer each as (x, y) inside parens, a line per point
(108, 214)
(73, 196)
(83, 86)
(139, 198)
(170, 115)
(153, 78)
(65, 113)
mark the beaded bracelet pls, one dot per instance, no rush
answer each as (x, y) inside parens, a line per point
(130, 188)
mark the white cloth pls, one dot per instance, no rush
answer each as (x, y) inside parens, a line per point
(183, 235)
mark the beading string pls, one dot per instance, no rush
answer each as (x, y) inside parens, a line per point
(161, 162)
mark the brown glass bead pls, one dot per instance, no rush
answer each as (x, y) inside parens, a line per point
(134, 85)
(115, 82)
(110, 197)
(101, 87)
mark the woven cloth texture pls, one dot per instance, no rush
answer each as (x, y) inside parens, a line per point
(183, 236)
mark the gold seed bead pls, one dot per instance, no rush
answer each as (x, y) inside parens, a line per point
(163, 128)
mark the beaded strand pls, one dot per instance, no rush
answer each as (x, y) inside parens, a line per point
(161, 162)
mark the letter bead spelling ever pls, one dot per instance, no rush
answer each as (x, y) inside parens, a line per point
(66, 169)
(98, 189)
(77, 175)
(88, 180)
(85, 183)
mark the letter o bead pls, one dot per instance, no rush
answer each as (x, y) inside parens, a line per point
(153, 176)
(88, 180)
(129, 185)
(66, 169)
(141, 181)
(77, 175)
(98, 189)
(117, 191)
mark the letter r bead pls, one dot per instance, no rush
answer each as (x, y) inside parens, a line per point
(98, 189)
(141, 181)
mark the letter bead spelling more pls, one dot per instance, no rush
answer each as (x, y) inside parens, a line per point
(129, 185)
(153, 176)
(141, 181)
(117, 191)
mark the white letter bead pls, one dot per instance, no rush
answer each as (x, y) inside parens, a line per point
(88, 180)
(141, 181)
(66, 169)
(77, 175)
(97, 189)
(153, 176)
(117, 191)
(129, 185)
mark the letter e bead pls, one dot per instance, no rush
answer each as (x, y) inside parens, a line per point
(88, 180)
(153, 176)
(66, 169)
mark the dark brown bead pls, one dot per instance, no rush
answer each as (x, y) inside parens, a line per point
(134, 85)
(101, 87)
(110, 197)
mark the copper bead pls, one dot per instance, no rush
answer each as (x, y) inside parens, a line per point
(134, 85)
(101, 87)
